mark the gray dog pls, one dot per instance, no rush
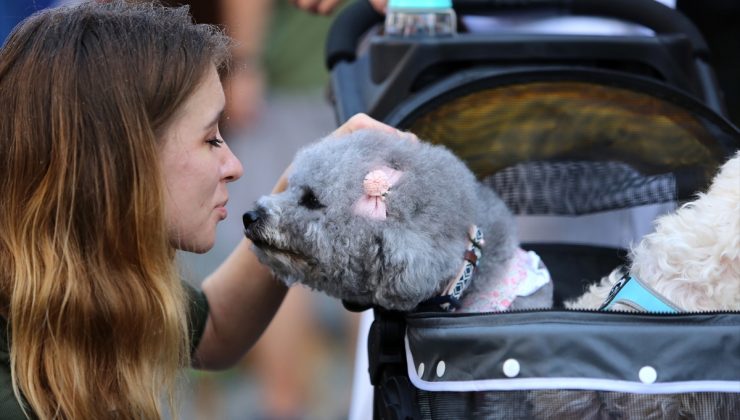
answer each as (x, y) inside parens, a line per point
(374, 219)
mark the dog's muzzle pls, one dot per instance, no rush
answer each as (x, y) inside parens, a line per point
(252, 220)
(250, 217)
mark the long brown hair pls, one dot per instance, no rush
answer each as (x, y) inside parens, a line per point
(96, 312)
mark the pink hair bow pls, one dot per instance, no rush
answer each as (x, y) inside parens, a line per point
(376, 185)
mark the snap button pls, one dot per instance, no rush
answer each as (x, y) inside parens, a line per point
(420, 371)
(648, 374)
(511, 368)
(441, 368)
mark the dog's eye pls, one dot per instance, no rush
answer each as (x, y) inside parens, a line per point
(309, 200)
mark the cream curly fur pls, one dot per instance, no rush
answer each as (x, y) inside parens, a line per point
(693, 257)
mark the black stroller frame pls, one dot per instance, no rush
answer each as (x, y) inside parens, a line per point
(406, 81)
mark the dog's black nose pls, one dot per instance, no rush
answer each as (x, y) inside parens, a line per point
(250, 217)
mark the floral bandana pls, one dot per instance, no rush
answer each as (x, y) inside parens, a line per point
(526, 275)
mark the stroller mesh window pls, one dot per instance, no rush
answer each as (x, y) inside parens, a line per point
(571, 404)
(504, 125)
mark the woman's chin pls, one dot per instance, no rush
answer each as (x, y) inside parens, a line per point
(197, 247)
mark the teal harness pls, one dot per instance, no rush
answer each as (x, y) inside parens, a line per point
(630, 291)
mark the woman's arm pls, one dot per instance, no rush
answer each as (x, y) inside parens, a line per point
(242, 294)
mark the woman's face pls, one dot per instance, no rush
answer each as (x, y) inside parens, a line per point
(197, 164)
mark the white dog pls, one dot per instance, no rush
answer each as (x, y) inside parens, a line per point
(692, 260)
(691, 263)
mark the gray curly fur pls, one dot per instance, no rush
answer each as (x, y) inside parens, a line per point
(394, 263)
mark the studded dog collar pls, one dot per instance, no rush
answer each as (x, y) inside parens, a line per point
(449, 299)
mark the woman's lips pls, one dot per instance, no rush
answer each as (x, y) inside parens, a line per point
(222, 212)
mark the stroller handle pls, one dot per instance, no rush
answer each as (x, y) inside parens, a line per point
(358, 18)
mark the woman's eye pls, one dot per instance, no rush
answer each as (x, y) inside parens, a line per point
(309, 200)
(215, 142)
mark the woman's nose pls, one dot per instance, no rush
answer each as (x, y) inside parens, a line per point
(232, 168)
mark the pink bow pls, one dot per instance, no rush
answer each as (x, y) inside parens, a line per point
(376, 185)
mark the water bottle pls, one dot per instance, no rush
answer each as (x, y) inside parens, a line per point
(420, 18)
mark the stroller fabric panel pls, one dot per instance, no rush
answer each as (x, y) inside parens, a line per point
(574, 349)
(568, 364)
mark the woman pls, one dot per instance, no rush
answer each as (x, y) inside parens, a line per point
(112, 161)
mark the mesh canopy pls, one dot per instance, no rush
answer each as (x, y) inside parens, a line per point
(573, 147)
(494, 128)
(504, 125)
(570, 405)
(578, 187)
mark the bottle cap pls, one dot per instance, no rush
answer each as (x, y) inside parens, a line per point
(419, 4)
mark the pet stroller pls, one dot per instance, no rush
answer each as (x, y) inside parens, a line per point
(580, 134)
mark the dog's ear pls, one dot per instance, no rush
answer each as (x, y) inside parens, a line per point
(409, 270)
(376, 187)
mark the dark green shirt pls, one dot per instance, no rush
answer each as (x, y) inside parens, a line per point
(10, 409)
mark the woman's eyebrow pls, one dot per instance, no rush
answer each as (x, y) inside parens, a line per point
(215, 120)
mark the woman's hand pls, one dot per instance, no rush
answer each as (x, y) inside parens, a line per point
(326, 7)
(357, 122)
(363, 121)
(379, 5)
(320, 7)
